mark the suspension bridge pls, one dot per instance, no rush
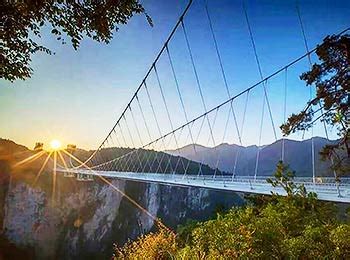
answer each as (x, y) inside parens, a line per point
(147, 142)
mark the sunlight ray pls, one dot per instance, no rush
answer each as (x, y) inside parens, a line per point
(54, 178)
(42, 168)
(29, 159)
(63, 161)
(66, 167)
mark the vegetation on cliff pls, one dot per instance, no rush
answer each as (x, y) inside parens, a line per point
(297, 226)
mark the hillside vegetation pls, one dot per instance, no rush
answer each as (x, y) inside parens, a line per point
(297, 226)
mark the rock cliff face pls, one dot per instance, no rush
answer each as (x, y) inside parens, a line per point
(86, 220)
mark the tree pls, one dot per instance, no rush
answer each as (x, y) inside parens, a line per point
(331, 77)
(160, 245)
(22, 21)
(39, 147)
(283, 177)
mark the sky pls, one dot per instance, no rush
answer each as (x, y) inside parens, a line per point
(76, 96)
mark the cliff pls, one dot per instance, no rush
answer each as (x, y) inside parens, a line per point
(88, 217)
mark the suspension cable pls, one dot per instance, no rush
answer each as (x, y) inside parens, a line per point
(197, 80)
(320, 105)
(154, 116)
(247, 90)
(284, 112)
(259, 142)
(132, 140)
(310, 90)
(223, 139)
(180, 96)
(145, 77)
(259, 68)
(242, 128)
(222, 68)
(166, 106)
(199, 132)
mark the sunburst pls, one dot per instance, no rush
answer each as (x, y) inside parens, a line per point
(55, 145)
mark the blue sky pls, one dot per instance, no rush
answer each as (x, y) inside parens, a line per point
(76, 96)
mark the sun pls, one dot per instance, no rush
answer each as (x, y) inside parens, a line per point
(55, 144)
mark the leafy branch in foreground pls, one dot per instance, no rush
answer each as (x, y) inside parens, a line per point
(283, 177)
(21, 23)
(331, 78)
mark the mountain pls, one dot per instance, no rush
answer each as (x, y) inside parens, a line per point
(298, 155)
(7, 146)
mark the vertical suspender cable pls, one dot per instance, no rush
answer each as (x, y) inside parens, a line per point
(259, 68)
(259, 142)
(147, 130)
(223, 74)
(234, 172)
(180, 97)
(310, 96)
(156, 120)
(179, 157)
(264, 88)
(117, 145)
(197, 81)
(166, 108)
(132, 142)
(324, 123)
(222, 69)
(199, 132)
(284, 111)
(197, 78)
(223, 139)
(310, 64)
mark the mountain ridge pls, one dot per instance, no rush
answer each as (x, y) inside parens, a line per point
(297, 154)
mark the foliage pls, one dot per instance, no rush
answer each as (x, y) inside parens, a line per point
(160, 245)
(184, 232)
(331, 78)
(22, 21)
(296, 226)
(284, 178)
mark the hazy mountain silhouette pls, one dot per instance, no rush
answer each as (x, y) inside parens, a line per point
(141, 159)
(297, 154)
(7, 146)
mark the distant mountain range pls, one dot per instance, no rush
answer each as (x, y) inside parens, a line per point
(298, 155)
